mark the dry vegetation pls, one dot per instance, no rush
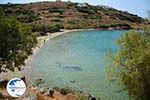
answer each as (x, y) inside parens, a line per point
(71, 15)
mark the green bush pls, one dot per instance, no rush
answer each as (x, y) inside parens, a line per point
(104, 26)
(46, 28)
(16, 43)
(131, 65)
(57, 10)
(124, 25)
(21, 14)
(2, 14)
(72, 22)
(129, 17)
(85, 10)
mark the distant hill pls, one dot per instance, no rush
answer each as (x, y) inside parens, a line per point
(71, 15)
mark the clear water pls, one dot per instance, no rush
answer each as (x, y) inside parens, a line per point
(77, 60)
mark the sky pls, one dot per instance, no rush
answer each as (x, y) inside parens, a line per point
(139, 7)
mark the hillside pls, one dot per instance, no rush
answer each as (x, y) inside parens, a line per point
(71, 15)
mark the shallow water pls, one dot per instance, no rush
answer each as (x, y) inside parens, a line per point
(77, 60)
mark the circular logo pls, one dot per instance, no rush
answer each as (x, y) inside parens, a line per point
(16, 87)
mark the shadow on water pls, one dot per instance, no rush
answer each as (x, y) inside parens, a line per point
(68, 67)
(78, 62)
(72, 68)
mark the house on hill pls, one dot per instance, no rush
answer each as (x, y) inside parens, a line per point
(82, 5)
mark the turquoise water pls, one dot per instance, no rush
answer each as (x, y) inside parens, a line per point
(77, 60)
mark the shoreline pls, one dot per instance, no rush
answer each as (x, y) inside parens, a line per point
(42, 40)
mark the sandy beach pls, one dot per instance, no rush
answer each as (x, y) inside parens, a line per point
(41, 41)
(44, 39)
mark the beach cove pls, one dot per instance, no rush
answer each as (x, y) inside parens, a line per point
(42, 40)
(77, 60)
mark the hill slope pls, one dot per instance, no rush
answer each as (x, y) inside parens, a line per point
(71, 15)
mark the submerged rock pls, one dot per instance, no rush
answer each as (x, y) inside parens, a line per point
(39, 81)
(58, 64)
(72, 81)
(89, 96)
(75, 68)
(63, 91)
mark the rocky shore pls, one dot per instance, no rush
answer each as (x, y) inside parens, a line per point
(34, 92)
(45, 93)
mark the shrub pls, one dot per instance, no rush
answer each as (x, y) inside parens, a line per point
(46, 28)
(16, 43)
(104, 26)
(58, 10)
(131, 64)
(85, 10)
(124, 25)
(72, 22)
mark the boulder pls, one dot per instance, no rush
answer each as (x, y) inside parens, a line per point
(51, 92)
(92, 98)
(2, 96)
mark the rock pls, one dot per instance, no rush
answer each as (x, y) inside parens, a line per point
(56, 88)
(3, 83)
(98, 98)
(43, 90)
(81, 91)
(2, 96)
(38, 82)
(92, 98)
(24, 79)
(63, 91)
(72, 81)
(89, 96)
(51, 92)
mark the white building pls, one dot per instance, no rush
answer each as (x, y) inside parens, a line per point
(82, 5)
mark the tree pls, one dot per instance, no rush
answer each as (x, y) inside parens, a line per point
(46, 28)
(2, 14)
(131, 63)
(16, 43)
